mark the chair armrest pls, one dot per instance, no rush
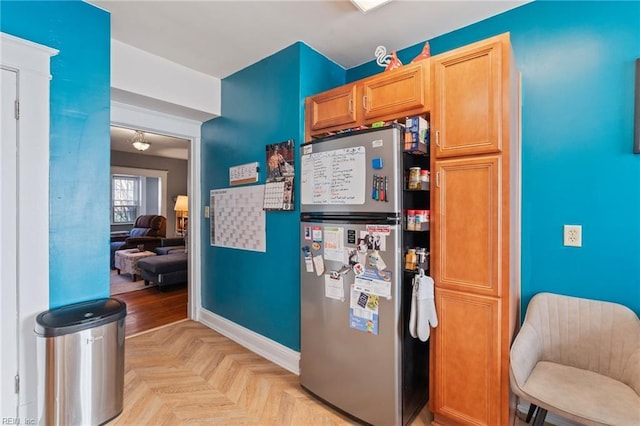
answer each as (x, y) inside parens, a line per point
(632, 371)
(170, 242)
(132, 241)
(525, 354)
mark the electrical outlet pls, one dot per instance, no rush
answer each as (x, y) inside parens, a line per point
(573, 235)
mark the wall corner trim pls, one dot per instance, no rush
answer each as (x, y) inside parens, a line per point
(263, 346)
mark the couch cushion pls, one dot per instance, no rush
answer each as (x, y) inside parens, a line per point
(138, 232)
(163, 264)
(169, 249)
(584, 396)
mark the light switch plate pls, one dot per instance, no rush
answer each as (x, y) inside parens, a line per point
(206, 212)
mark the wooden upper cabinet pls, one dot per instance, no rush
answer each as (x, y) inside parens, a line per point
(333, 108)
(386, 96)
(467, 224)
(402, 91)
(470, 90)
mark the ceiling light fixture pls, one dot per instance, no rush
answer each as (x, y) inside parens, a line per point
(139, 142)
(367, 5)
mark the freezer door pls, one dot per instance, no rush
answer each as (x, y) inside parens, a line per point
(357, 173)
(350, 346)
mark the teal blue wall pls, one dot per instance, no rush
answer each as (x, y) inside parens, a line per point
(577, 64)
(261, 104)
(79, 140)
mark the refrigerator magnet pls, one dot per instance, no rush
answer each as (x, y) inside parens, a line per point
(317, 233)
(358, 269)
(308, 259)
(307, 233)
(316, 246)
(380, 263)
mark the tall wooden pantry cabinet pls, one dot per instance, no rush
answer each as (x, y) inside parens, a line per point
(475, 231)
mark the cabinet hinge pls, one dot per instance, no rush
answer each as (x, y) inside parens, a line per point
(17, 384)
(17, 109)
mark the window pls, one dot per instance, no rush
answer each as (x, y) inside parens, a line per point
(125, 199)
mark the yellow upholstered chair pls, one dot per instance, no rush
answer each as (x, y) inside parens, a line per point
(579, 359)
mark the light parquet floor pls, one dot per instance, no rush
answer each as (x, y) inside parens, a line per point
(188, 374)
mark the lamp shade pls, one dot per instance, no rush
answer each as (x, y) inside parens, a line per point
(182, 203)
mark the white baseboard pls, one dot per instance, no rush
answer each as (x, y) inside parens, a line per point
(267, 348)
(552, 419)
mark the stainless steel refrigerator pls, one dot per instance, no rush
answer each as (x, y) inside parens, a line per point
(356, 351)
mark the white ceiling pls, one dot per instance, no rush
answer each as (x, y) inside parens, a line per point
(220, 37)
(161, 146)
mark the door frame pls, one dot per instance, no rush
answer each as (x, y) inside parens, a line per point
(32, 63)
(133, 117)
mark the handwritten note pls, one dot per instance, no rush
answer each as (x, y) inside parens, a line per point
(334, 177)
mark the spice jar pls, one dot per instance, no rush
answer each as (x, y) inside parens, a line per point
(424, 179)
(411, 260)
(411, 220)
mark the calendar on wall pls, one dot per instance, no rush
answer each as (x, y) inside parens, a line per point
(278, 189)
(278, 195)
(243, 174)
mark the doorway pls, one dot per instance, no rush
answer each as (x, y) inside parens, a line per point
(134, 117)
(149, 175)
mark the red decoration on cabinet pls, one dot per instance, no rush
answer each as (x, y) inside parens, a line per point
(426, 52)
(394, 62)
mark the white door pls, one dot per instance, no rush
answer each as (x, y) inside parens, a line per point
(9, 355)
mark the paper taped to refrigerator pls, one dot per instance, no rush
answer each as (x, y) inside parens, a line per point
(334, 287)
(334, 177)
(334, 243)
(375, 282)
(363, 311)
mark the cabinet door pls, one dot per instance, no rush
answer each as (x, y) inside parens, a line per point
(468, 88)
(332, 108)
(467, 224)
(467, 355)
(402, 91)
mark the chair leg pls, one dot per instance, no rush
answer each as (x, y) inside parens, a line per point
(532, 410)
(540, 416)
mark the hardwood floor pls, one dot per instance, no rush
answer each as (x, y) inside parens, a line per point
(151, 308)
(186, 373)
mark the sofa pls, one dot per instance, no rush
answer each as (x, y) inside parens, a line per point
(148, 230)
(169, 267)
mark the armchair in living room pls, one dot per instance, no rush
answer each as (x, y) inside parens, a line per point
(148, 230)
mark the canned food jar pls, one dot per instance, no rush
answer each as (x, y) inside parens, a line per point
(414, 178)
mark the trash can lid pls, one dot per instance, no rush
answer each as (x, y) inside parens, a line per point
(79, 316)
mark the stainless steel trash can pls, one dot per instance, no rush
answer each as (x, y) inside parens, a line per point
(80, 350)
